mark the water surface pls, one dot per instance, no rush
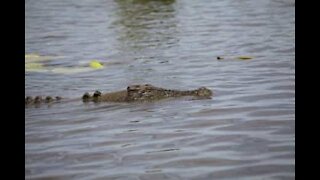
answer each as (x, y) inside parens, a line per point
(246, 131)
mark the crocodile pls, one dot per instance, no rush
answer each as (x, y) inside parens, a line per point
(133, 93)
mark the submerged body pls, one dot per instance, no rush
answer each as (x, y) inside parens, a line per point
(133, 93)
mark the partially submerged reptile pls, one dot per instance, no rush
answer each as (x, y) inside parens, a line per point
(133, 93)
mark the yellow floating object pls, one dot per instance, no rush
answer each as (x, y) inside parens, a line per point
(96, 64)
(244, 57)
(33, 66)
(237, 57)
(32, 55)
(70, 70)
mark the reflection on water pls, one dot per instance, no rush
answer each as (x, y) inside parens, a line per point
(146, 30)
(246, 131)
(145, 24)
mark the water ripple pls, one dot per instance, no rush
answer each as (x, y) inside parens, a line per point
(246, 131)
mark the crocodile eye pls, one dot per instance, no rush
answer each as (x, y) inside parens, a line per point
(86, 96)
(48, 98)
(97, 94)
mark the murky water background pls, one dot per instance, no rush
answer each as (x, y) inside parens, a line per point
(246, 131)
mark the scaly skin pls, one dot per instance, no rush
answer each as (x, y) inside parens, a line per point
(148, 92)
(39, 100)
(134, 93)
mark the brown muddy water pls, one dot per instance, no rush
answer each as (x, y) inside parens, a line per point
(246, 131)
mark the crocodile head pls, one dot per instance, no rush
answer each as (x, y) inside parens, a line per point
(203, 92)
(148, 92)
